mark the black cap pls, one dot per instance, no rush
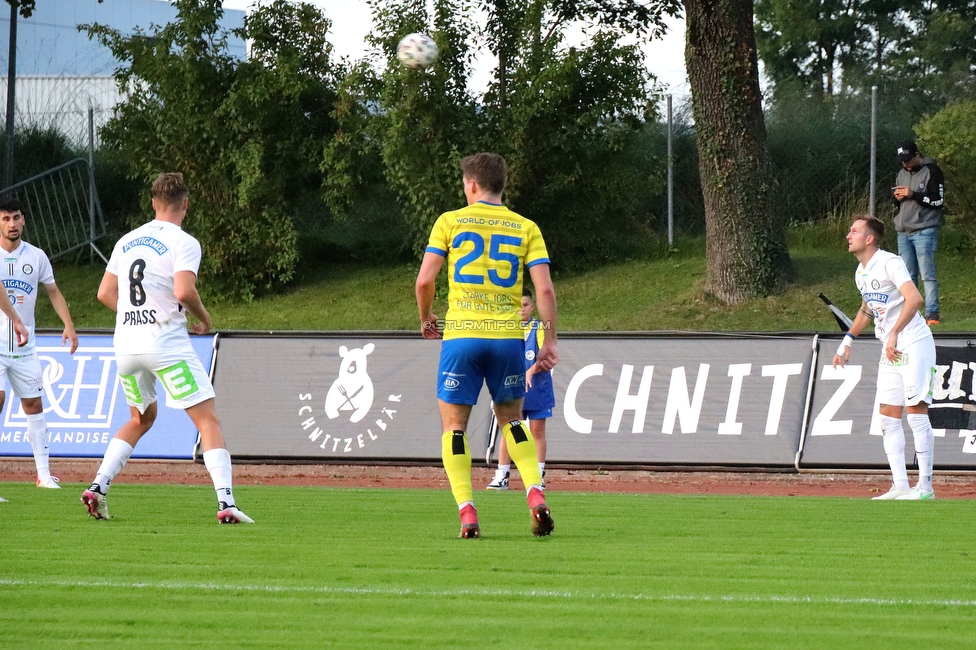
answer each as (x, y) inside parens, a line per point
(907, 151)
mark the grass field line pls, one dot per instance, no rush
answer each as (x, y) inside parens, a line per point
(494, 593)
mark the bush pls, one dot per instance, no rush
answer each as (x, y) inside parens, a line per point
(949, 136)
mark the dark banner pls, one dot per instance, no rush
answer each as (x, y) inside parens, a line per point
(634, 400)
(844, 429)
(679, 401)
(330, 398)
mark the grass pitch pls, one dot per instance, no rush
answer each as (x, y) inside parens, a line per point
(373, 567)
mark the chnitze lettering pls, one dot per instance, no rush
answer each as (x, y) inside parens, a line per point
(140, 317)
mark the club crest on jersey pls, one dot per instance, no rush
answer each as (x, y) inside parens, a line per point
(28, 269)
(530, 355)
(348, 401)
(875, 285)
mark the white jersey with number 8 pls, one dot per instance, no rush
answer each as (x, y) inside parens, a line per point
(149, 317)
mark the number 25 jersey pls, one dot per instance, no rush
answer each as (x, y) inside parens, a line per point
(487, 247)
(149, 317)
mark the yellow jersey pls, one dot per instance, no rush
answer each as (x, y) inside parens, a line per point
(488, 248)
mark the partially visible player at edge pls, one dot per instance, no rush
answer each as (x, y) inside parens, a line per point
(158, 264)
(26, 269)
(487, 248)
(907, 366)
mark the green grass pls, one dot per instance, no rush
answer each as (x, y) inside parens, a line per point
(372, 567)
(657, 294)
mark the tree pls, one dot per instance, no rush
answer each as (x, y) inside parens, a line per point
(746, 247)
(950, 137)
(566, 118)
(247, 134)
(921, 51)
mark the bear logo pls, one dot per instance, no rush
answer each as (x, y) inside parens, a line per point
(353, 389)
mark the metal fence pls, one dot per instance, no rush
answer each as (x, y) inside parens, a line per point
(62, 209)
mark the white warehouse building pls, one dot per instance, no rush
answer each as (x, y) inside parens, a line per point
(61, 73)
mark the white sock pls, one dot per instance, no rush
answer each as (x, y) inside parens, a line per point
(542, 467)
(116, 456)
(894, 446)
(924, 448)
(40, 439)
(218, 464)
(502, 471)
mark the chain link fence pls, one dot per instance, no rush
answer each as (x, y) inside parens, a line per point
(62, 104)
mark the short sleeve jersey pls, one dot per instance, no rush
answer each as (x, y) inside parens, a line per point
(879, 284)
(541, 395)
(24, 271)
(488, 249)
(149, 318)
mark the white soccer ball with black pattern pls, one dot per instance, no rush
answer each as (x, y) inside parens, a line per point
(417, 51)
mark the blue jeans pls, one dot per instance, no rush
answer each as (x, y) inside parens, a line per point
(918, 251)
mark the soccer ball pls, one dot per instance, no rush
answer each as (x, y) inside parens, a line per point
(417, 51)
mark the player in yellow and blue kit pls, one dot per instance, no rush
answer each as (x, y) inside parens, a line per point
(488, 249)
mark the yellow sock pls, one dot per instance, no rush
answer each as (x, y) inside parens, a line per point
(457, 462)
(521, 447)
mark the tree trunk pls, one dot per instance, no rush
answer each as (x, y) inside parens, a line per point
(745, 243)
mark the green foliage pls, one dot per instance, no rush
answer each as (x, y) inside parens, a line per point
(37, 150)
(820, 155)
(923, 52)
(949, 136)
(569, 120)
(572, 137)
(246, 134)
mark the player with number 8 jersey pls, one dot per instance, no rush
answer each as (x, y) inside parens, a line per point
(149, 318)
(150, 281)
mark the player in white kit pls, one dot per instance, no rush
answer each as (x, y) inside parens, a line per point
(907, 366)
(149, 282)
(25, 270)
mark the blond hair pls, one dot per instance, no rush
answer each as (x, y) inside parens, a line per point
(170, 188)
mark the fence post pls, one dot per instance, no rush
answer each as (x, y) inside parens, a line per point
(8, 172)
(874, 149)
(91, 173)
(670, 178)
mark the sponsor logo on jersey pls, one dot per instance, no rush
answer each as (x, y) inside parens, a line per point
(18, 285)
(28, 269)
(349, 400)
(151, 242)
(451, 383)
(515, 380)
(876, 297)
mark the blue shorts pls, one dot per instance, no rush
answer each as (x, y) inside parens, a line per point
(468, 363)
(537, 414)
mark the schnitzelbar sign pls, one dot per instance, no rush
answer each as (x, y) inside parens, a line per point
(743, 400)
(670, 400)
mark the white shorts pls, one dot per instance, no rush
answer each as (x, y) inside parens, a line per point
(183, 377)
(24, 373)
(908, 381)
